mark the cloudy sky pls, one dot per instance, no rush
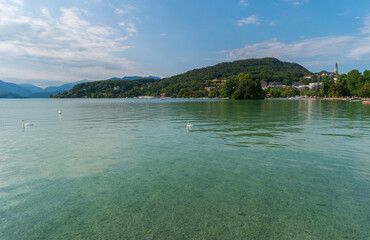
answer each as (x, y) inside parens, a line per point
(46, 42)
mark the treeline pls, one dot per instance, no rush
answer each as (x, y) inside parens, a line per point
(354, 83)
(193, 83)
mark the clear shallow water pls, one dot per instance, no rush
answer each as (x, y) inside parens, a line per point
(128, 169)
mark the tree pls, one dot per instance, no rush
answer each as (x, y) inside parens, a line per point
(365, 90)
(229, 87)
(247, 88)
(213, 94)
(366, 76)
(338, 90)
(326, 83)
(354, 81)
(274, 93)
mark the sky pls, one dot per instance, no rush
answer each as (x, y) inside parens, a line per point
(50, 42)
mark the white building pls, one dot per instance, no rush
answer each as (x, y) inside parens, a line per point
(275, 85)
(314, 86)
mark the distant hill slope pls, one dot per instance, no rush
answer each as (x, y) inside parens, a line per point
(32, 88)
(14, 89)
(9, 95)
(64, 87)
(109, 89)
(194, 81)
(267, 69)
(135, 78)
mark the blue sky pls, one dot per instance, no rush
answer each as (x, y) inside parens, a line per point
(47, 42)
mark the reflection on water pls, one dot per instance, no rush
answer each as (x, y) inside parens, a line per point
(127, 168)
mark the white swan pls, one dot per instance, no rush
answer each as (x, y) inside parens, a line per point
(188, 125)
(24, 124)
(60, 112)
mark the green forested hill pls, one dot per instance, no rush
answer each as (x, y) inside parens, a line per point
(268, 69)
(192, 83)
(110, 89)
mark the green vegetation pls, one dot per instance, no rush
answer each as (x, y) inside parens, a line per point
(287, 92)
(243, 87)
(110, 89)
(194, 83)
(352, 84)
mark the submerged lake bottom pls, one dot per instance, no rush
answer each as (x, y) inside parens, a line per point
(131, 169)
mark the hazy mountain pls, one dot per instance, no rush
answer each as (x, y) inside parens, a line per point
(12, 90)
(31, 87)
(9, 95)
(43, 94)
(64, 87)
(6, 87)
(134, 78)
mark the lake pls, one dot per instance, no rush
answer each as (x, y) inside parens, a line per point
(130, 169)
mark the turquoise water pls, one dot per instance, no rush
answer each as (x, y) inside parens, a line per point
(129, 169)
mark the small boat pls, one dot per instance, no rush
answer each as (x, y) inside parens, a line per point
(366, 102)
(355, 99)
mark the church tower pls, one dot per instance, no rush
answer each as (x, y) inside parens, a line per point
(336, 72)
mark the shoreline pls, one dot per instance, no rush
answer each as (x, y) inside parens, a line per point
(319, 98)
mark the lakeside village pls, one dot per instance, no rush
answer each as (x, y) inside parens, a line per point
(299, 86)
(313, 89)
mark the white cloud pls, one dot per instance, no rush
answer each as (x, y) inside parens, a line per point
(122, 38)
(64, 48)
(102, 31)
(249, 20)
(243, 3)
(71, 19)
(273, 23)
(119, 11)
(163, 34)
(124, 10)
(366, 28)
(45, 12)
(361, 49)
(296, 3)
(18, 2)
(313, 47)
(129, 27)
(313, 52)
(7, 9)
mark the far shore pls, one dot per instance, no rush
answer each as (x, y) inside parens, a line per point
(319, 98)
(281, 98)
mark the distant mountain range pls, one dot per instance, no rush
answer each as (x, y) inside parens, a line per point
(12, 90)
